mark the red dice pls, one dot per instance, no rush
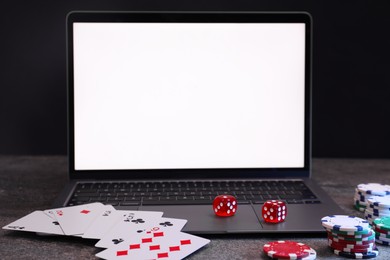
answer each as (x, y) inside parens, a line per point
(274, 211)
(225, 205)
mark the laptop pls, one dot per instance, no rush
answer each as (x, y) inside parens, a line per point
(168, 110)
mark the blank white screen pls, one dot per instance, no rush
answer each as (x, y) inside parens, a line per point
(188, 95)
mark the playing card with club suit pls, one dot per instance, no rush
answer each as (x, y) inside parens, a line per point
(103, 223)
(161, 245)
(76, 219)
(130, 220)
(36, 221)
(162, 225)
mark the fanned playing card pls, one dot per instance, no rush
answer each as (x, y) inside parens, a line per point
(103, 223)
(130, 220)
(36, 221)
(75, 220)
(162, 225)
(160, 245)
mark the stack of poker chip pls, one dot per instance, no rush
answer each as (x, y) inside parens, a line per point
(382, 230)
(350, 236)
(364, 191)
(289, 250)
(377, 207)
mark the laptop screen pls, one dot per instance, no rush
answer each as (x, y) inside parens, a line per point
(177, 95)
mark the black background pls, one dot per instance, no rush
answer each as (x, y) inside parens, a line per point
(351, 67)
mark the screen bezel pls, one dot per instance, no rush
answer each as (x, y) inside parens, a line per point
(191, 17)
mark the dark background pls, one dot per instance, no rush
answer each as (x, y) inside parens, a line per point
(351, 63)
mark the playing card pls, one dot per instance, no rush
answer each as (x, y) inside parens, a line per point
(75, 220)
(129, 221)
(162, 225)
(36, 221)
(103, 223)
(161, 245)
(176, 246)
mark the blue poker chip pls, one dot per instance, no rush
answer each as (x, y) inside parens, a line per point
(345, 223)
(374, 253)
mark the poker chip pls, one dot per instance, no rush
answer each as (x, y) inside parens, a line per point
(386, 239)
(379, 202)
(382, 235)
(348, 243)
(345, 223)
(374, 189)
(364, 192)
(377, 230)
(374, 253)
(312, 255)
(287, 250)
(382, 242)
(350, 236)
(382, 223)
(339, 245)
(353, 238)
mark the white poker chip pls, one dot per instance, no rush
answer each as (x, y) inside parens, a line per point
(374, 189)
(379, 202)
(345, 223)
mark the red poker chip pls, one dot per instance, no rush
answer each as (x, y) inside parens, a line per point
(286, 249)
(382, 231)
(354, 250)
(350, 242)
(344, 245)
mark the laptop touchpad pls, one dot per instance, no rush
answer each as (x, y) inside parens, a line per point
(201, 218)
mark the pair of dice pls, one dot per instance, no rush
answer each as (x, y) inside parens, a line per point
(273, 211)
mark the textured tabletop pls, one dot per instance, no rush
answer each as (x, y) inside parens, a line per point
(32, 183)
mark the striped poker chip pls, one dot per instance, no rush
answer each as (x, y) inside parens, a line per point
(382, 223)
(374, 189)
(372, 207)
(380, 235)
(379, 201)
(287, 249)
(382, 242)
(352, 237)
(378, 211)
(349, 233)
(345, 223)
(385, 232)
(355, 241)
(337, 245)
(376, 214)
(374, 253)
(386, 239)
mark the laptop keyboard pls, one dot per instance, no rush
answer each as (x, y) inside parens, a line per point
(190, 192)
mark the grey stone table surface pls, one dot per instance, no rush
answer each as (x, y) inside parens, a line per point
(29, 183)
